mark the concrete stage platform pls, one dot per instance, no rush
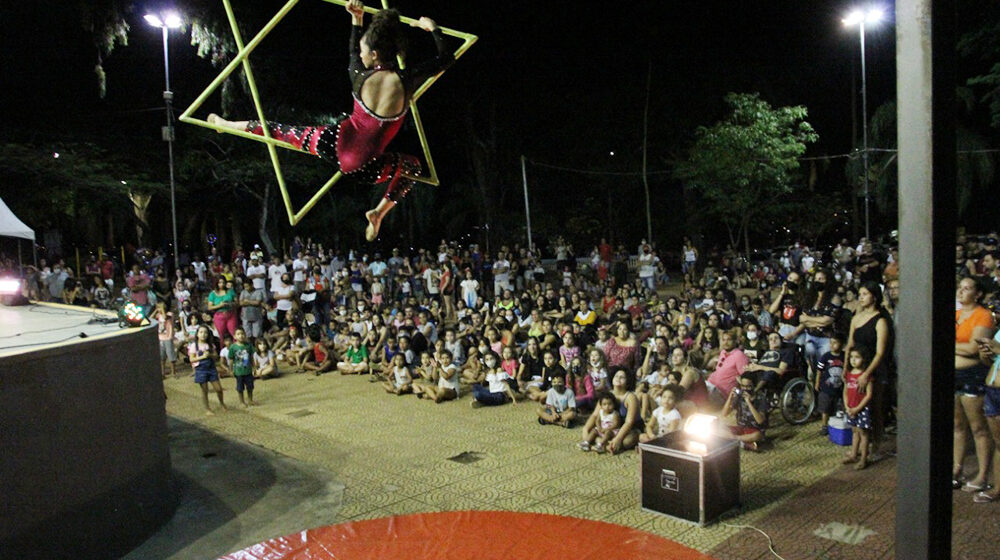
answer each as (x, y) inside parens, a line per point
(86, 470)
(29, 328)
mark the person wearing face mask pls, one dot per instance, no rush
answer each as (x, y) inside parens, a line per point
(786, 306)
(753, 345)
(817, 320)
(549, 371)
(497, 388)
(560, 403)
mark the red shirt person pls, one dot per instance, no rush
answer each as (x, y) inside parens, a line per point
(731, 365)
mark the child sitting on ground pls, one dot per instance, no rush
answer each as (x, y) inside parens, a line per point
(264, 364)
(322, 360)
(665, 418)
(560, 404)
(239, 356)
(298, 349)
(400, 382)
(498, 385)
(447, 376)
(607, 426)
(550, 370)
(858, 412)
(473, 372)
(355, 357)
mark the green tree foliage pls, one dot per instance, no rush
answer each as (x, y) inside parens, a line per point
(983, 44)
(975, 165)
(743, 165)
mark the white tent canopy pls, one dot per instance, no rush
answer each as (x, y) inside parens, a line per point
(11, 226)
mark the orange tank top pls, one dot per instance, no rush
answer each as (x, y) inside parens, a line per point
(980, 317)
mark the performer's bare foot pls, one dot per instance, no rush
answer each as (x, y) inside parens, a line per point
(374, 222)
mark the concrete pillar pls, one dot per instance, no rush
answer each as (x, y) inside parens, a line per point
(925, 92)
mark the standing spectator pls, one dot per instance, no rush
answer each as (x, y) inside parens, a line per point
(432, 281)
(647, 268)
(222, 303)
(256, 272)
(283, 292)
(240, 354)
(470, 288)
(275, 270)
(972, 322)
(138, 284)
(299, 267)
(165, 334)
(990, 350)
(690, 262)
(108, 272)
(199, 270)
(202, 353)
(818, 319)
(252, 301)
(830, 381)
(788, 308)
(501, 274)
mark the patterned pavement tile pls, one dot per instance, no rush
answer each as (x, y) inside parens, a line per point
(392, 455)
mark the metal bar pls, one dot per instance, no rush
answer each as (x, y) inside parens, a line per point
(252, 83)
(432, 178)
(240, 56)
(312, 201)
(925, 90)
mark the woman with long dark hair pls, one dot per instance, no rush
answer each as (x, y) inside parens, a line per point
(871, 331)
(356, 143)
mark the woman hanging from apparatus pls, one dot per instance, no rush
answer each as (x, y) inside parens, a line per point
(355, 143)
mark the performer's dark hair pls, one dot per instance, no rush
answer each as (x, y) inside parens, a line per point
(385, 35)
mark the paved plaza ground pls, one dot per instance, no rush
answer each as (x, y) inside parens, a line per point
(332, 449)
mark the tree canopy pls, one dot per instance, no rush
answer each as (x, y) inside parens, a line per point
(744, 164)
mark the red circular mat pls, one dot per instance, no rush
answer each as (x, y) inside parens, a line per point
(478, 535)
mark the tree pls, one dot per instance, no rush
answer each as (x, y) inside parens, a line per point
(983, 44)
(744, 164)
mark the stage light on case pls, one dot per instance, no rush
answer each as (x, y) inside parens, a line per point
(700, 427)
(10, 286)
(132, 315)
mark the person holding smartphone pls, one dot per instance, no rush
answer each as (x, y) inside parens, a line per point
(751, 408)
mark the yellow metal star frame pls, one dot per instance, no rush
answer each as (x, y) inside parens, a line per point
(241, 58)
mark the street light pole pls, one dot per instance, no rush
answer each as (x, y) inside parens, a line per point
(859, 18)
(864, 124)
(165, 23)
(168, 98)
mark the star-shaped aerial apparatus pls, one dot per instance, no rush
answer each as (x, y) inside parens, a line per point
(273, 144)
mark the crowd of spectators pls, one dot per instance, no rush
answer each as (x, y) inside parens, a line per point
(603, 342)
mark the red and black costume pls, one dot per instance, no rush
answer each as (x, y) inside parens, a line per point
(356, 143)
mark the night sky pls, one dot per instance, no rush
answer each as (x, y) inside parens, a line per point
(554, 70)
(563, 82)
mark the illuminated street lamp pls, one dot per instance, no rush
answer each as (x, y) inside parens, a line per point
(860, 18)
(165, 22)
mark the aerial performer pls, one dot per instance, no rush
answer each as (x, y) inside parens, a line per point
(355, 143)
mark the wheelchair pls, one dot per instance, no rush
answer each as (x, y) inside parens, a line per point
(792, 393)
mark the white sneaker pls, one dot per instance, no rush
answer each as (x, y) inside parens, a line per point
(583, 446)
